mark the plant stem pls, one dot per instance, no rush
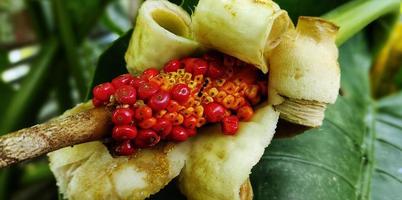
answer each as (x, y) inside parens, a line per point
(355, 15)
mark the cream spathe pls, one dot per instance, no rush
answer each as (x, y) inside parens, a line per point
(162, 33)
(246, 29)
(304, 66)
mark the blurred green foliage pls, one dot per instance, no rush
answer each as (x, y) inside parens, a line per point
(71, 35)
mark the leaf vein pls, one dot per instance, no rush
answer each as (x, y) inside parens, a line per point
(389, 143)
(287, 157)
(340, 129)
(388, 174)
(388, 123)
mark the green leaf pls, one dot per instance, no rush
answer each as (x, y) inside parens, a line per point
(4, 62)
(116, 18)
(387, 175)
(75, 19)
(188, 5)
(83, 15)
(16, 106)
(70, 45)
(111, 63)
(296, 8)
(354, 155)
(386, 12)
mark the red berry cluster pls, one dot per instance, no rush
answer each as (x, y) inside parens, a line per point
(171, 104)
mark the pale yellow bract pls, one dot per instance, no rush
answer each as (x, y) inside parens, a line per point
(162, 33)
(88, 171)
(218, 164)
(245, 29)
(305, 74)
(307, 61)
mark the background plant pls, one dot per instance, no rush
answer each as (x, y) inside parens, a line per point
(356, 154)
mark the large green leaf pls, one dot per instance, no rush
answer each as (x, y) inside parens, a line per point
(354, 155)
(357, 152)
(350, 156)
(387, 168)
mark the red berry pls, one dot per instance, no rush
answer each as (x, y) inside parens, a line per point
(191, 132)
(163, 127)
(126, 95)
(122, 116)
(147, 138)
(178, 134)
(181, 93)
(170, 116)
(229, 61)
(159, 101)
(149, 73)
(245, 113)
(200, 68)
(143, 112)
(96, 102)
(147, 123)
(195, 66)
(146, 90)
(124, 132)
(125, 148)
(124, 79)
(102, 92)
(137, 82)
(172, 66)
(212, 56)
(215, 70)
(214, 112)
(190, 122)
(173, 106)
(263, 87)
(188, 64)
(230, 125)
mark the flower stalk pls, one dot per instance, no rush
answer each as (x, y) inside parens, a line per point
(355, 15)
